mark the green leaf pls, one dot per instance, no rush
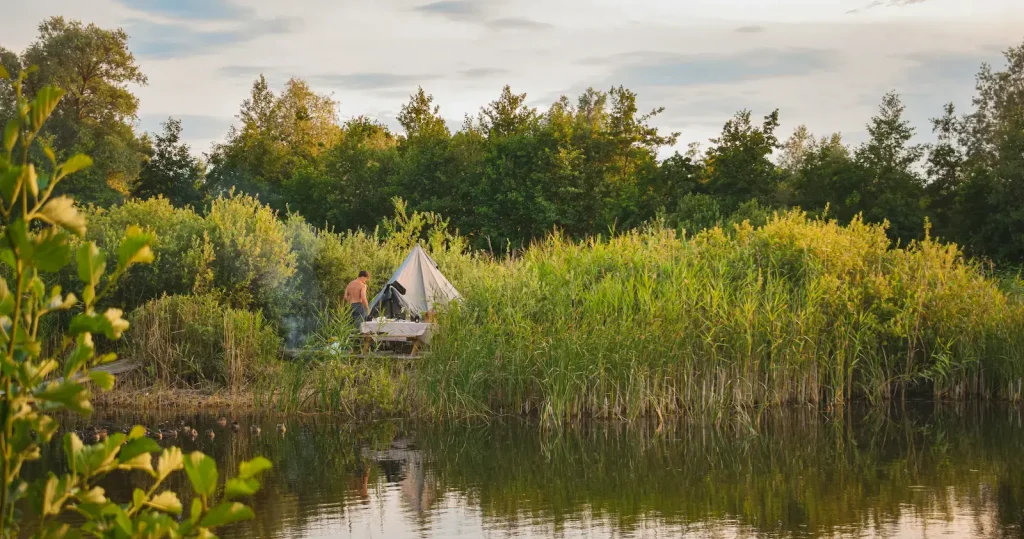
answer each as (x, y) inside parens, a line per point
(142, 462)
(8, 183)
(80, 355)
(30, 179)
(51, 251)
(167, 502)
(74, 164)
(202, 472)
(253, 467)
(50, 155)
(138, 497)
(71, 395)
(238, 488)
(10, 135)
(91, 263)
(104, 380)
(72, 448)
(110, 324)
(95, 496)
(61, 211)
(138, 431)
(171, 460)
(226, 513)
(42, 106)
(134, 248)
(136, 447)
(6, 298)
(196, 511)
(3, 73)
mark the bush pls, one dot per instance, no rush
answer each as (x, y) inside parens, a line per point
(175, 231)
(192, 340)
(252, 259)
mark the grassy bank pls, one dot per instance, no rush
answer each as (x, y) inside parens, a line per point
(648, 323)
(796, 311)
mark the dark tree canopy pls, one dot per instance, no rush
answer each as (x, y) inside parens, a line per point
(587, 165)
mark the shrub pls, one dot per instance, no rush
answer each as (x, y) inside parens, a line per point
(174, 229)
(252, 259)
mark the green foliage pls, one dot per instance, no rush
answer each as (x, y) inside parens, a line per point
(185, 341)
(37, 227)
(976, 170)
(176, 232)
(172, 172)
(795, 311)
(94, 67)
(252, 258)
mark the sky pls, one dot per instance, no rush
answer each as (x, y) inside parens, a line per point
(822, 63)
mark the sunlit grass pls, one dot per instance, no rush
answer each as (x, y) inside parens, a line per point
(653, 324)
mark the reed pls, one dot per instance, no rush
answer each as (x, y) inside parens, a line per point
(188, 341)
(653, 323)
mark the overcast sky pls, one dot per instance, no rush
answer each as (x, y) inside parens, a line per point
(824, 63)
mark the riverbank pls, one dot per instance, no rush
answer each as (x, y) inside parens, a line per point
(651, 323)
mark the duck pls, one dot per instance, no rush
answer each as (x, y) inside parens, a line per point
(154, 434)
(102, 434)
(168, 434)
(210, 434)
(281, 428)
(186, 430)
(223, 421)
(234, 426)
(255, 429)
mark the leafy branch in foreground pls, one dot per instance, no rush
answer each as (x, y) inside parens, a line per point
(38, 231)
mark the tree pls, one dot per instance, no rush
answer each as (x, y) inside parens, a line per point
(892, 190)
(95, 67)
(172, 171)
(279, 135)
(976, 170)
(737, 167)
(421, 118)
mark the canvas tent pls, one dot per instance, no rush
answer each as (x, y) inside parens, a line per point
(415, 288)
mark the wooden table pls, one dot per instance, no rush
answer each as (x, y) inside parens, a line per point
(376, 331)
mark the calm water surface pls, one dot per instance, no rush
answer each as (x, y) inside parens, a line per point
(926, 472)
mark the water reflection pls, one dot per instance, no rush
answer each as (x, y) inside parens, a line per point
(951, 471)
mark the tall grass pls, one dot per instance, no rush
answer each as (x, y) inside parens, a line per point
(194, 340)
(653, 323)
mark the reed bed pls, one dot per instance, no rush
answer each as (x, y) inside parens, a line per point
(652, 323)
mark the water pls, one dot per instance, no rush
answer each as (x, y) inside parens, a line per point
(924, 472)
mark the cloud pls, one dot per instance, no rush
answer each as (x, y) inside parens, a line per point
(752, 29)
(947, 67)
(482, 72)
(193, 126)
(168, 40)
(243, 71)
(453, 9)
(370, 81)
(190, 9)
(472, 12)
(659, 69)
(518, 23)
(885, 3)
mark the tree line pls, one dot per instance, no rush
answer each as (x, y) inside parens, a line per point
(512, 173)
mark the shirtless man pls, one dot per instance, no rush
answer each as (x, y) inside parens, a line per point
(355, 296)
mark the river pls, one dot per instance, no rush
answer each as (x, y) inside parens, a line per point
(915, 471)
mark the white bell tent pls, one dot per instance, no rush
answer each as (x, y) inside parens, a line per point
(417, 287)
